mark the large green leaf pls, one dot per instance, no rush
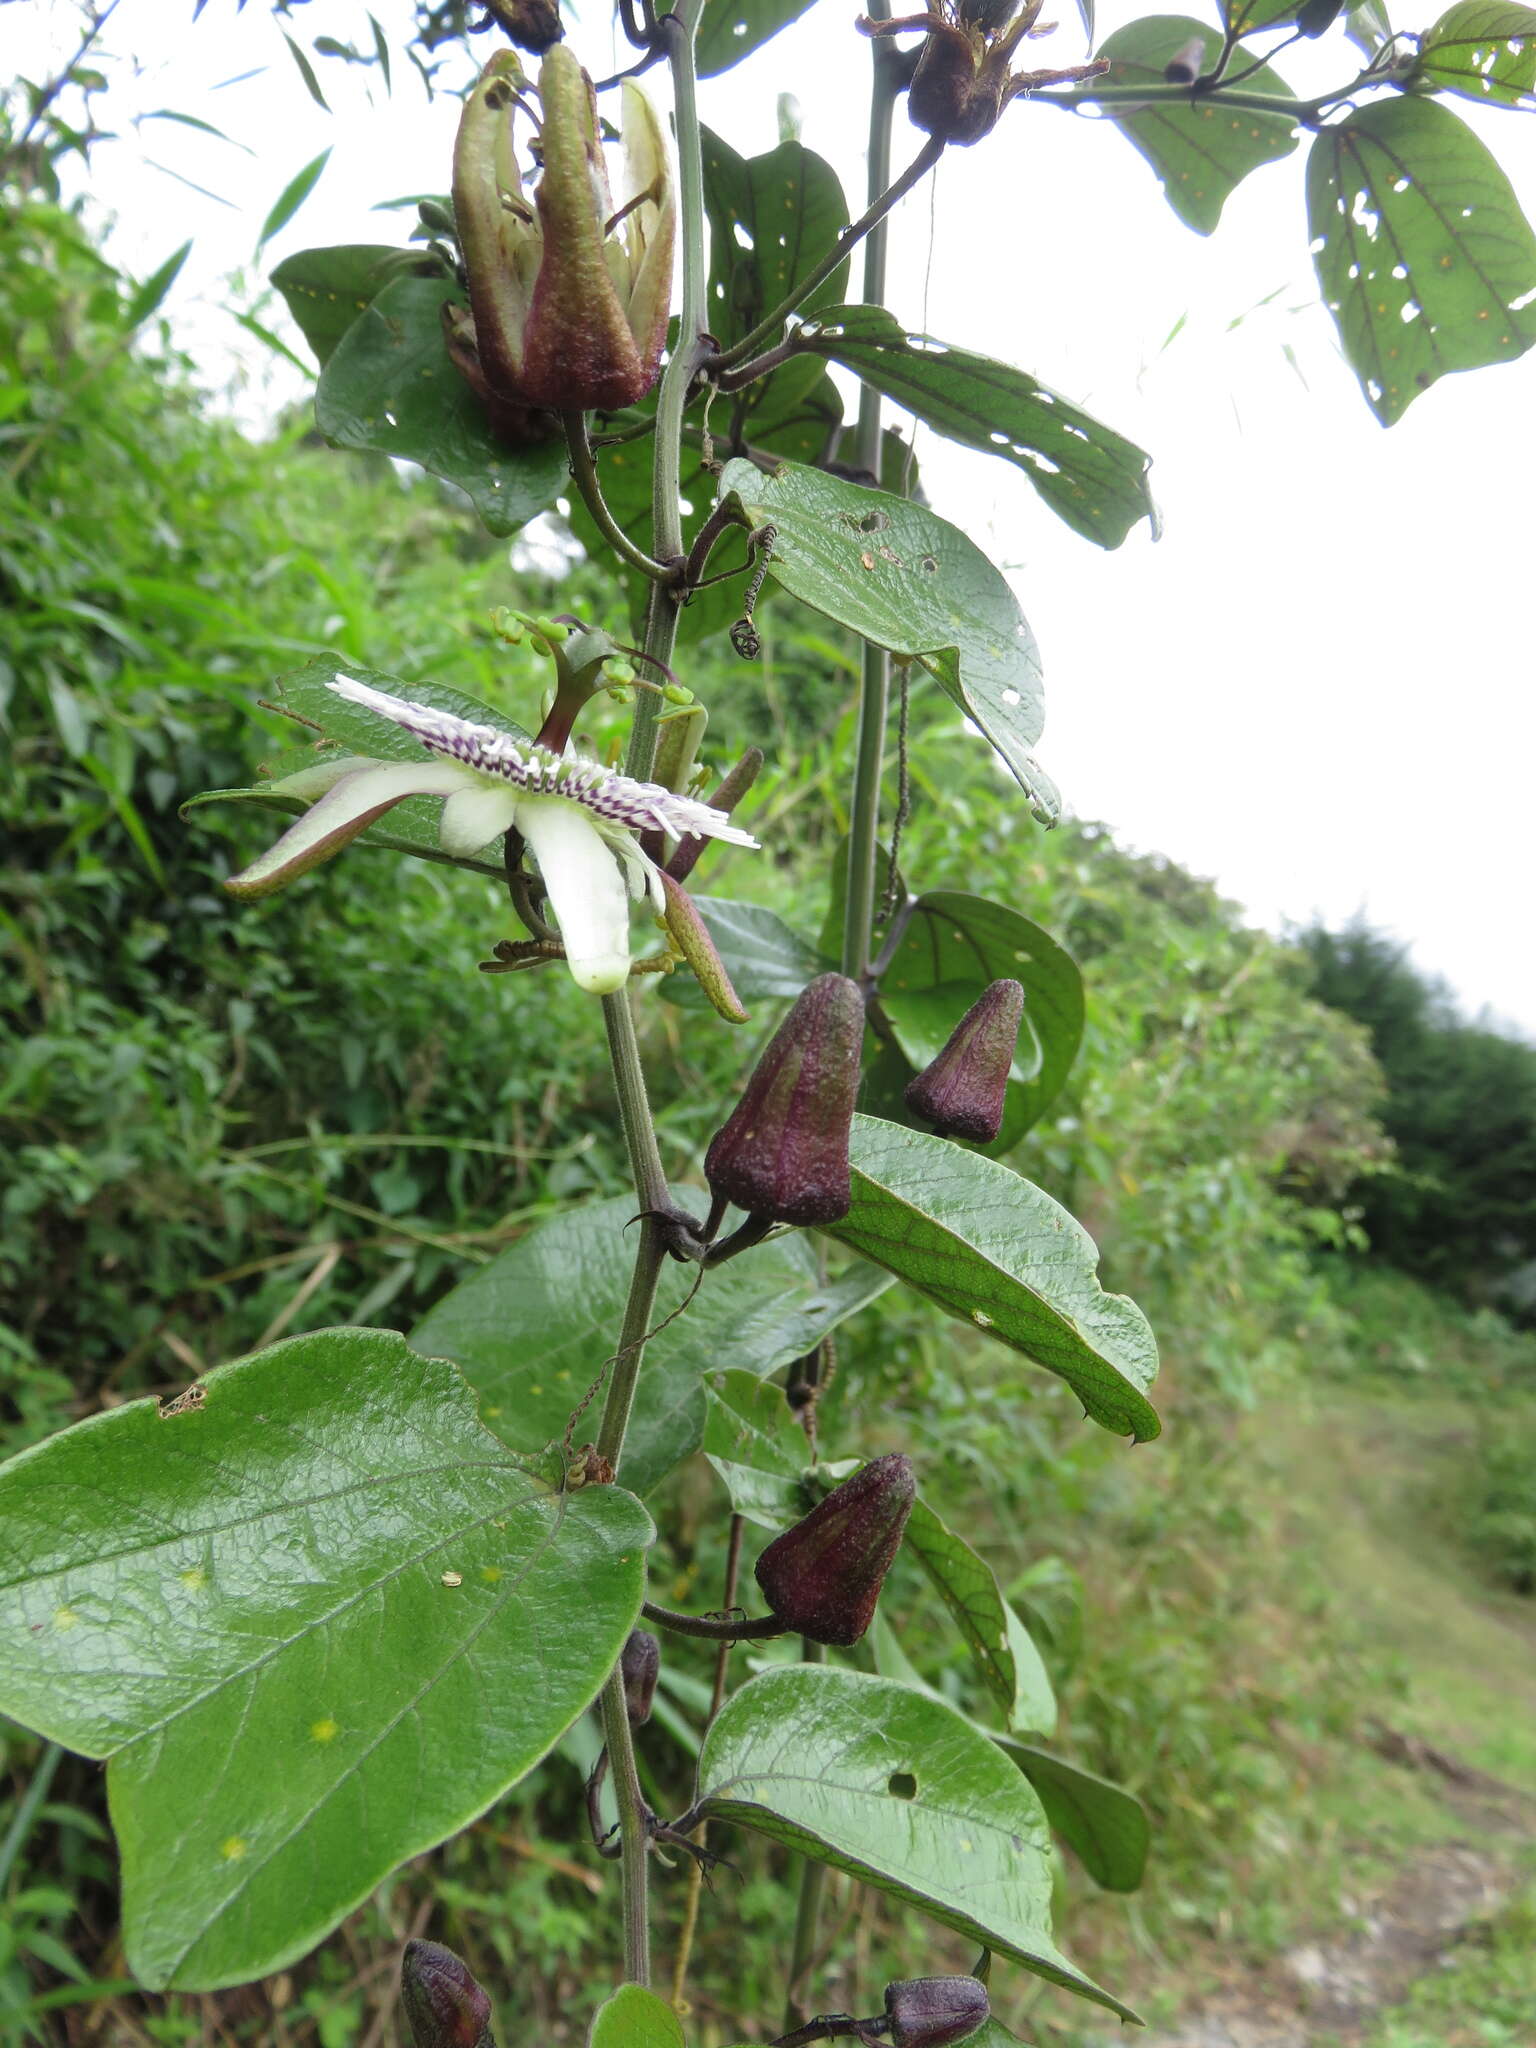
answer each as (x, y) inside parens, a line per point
(635, 2018)
(318, 1619)
(757, 1448)
(1200, 149)
(732, 29)
(999, 1643)
(900, 1791)
(989, 1247)
(1092, 477)
(410, 827)
(1484, 49)
(953, 947)
(772, 218)
(762, 955)
(902, 577)
(390, 386)
(1103, 1823)
(1423, 255)
(534, 1328)
(326, 289)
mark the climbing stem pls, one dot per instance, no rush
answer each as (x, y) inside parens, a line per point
(634, 1830)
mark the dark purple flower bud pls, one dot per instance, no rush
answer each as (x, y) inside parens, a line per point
(443, 2002)
(962, 1093)
(930, 2012)
(638, 1666)
(532, 24)
(783, 1153)
(823, 1576)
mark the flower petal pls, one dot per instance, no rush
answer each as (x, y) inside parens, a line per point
(474, 816)
(345, 810)
(586, 889)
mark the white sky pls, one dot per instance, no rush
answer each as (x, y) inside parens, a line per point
(1317, 688)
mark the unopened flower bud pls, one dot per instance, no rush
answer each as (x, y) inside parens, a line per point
(444, 2004)
(782, 1155)
(1186, 63)
(961, 1094)
(532, 24)
(639, 1662)
(823, 1576)
(931, 2012)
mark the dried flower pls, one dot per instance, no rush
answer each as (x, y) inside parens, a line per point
(963, 78)
(961, 1093)
(639, 1665)
(823, 1576)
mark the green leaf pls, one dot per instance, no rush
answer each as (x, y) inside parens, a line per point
(772, 218)
(1201, 150)
(635, 2018)
(733, 29)
(1104, 1825)
(410, 827)
(999, 1643)
(326, 289)
(150, 295)
(533, 1328)
(900, 576)
(293, 194)
(306, 71)
(954, 946)
(757, 1448)
(318, 1620)
(1092, 477)
(390, 386)
(1423, 255)
(1242, 16)
(763, 956)
(899, 1791)
(1485, 50)
(990, 1248)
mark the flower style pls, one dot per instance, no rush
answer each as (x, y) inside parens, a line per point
(963, 78)
(578, 818)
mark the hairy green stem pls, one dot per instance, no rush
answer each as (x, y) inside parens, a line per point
(634, 1834)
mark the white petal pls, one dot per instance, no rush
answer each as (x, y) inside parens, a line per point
(347, 809)
(473, 817)
(586, 890)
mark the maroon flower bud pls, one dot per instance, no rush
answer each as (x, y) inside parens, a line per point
(532, 24)
(930, 2012)
(443, 2002)
(823, 1576)
(783, 1153)
(961, 1093)
(639, 1663)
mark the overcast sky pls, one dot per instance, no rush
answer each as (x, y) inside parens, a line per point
(1316, 689)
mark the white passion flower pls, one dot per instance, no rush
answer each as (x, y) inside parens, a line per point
(579, 820)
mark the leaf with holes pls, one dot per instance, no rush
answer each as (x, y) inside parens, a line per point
(1200, 150)
(1104, 1825)
(999, 1643)
(986, 1245)
(1485, 50)
(771, 220)
(733, 29)
(635, 2018)
(390, 386)
(901, 1792)
(534, 1329)
(326, 289)
(1090, 476)
(318, 1619)
(900, 576)
(1424, 258)
(764, 957)
(757, 1448)
(953, 946)
(410, 827)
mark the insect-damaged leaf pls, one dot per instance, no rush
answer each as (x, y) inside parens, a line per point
(1485, 50)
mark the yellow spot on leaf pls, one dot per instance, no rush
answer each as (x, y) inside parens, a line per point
(195, 1579)
(65, 1617)
(491, 1573)
(325, 1730)
(233, 1848)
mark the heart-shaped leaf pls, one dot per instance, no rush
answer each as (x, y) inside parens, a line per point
(534, 1329)
(1105, 1825)
(733, 29)
(326, 289)
(900, 576)
(1200, 149)
(1423, 255)
(1485, 50)
(390, 385)
(986, 1245)
(900, 1791)
(1089, 475)
(317, 1617)
(635, 2018)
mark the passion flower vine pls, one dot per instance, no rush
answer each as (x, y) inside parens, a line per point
(578, 818)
